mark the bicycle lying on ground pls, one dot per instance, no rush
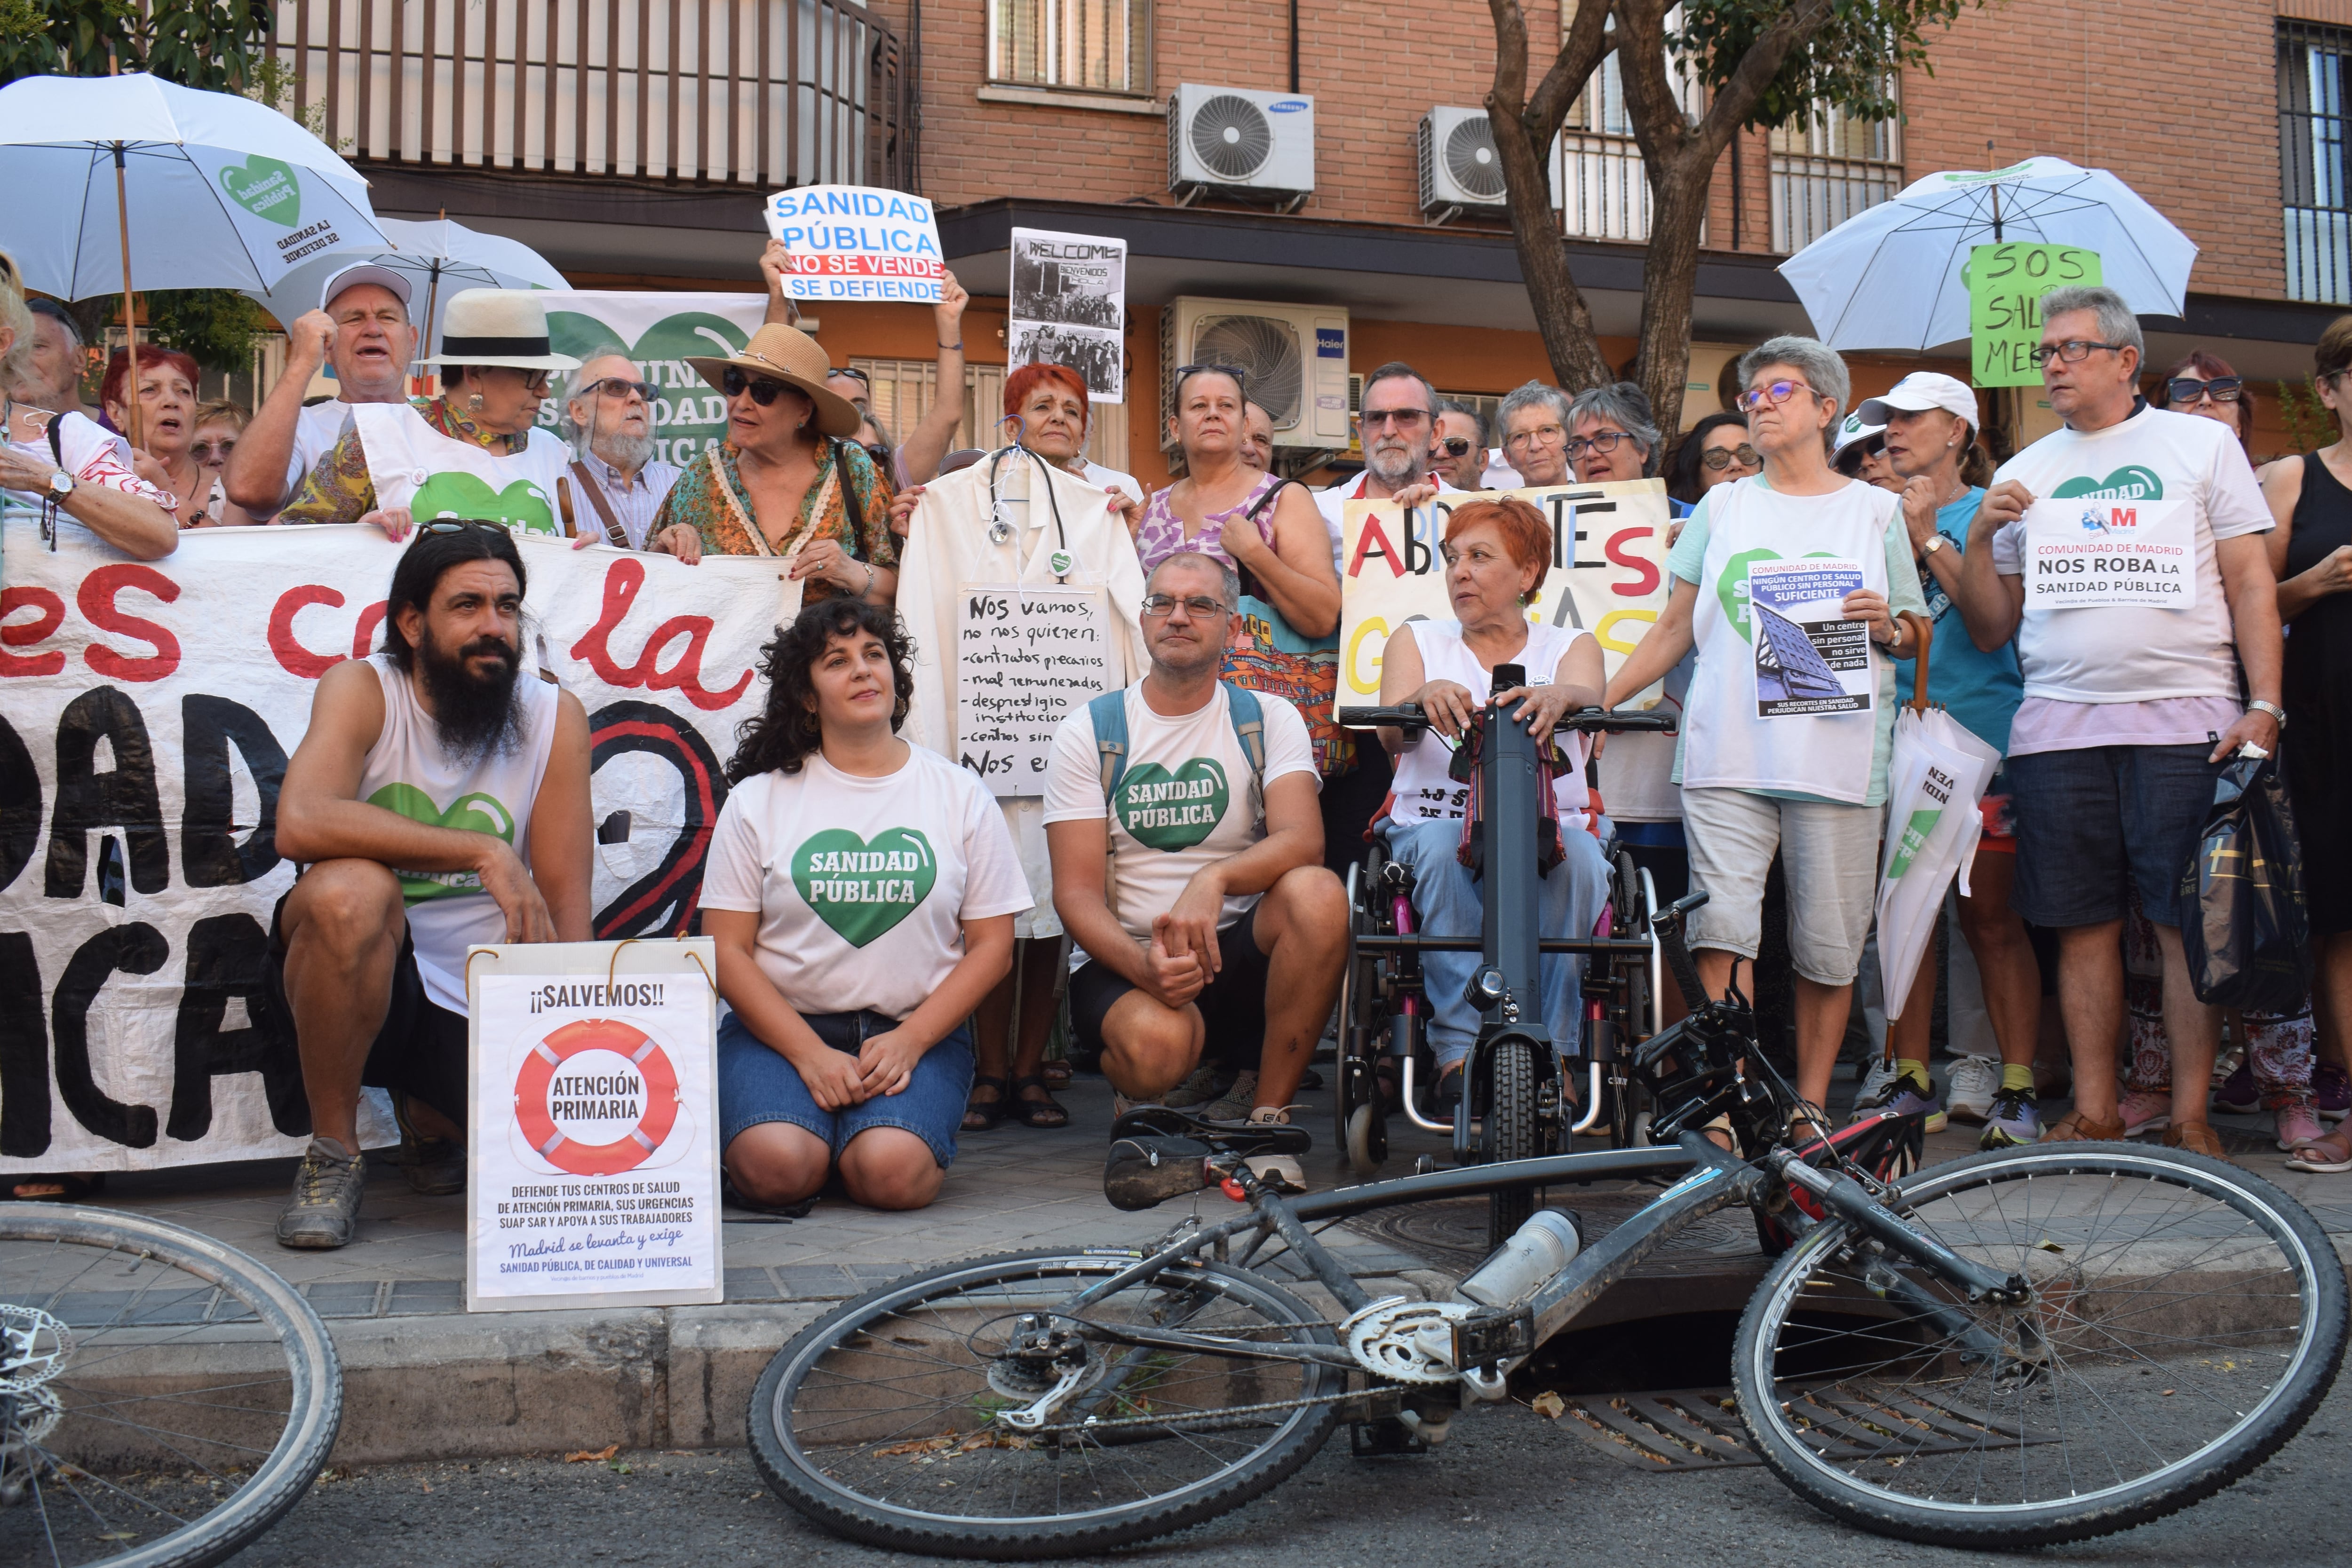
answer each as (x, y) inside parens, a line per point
(2022, 1348)
(121, 1445)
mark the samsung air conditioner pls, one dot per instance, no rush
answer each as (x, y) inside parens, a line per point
(1460, 171)
(1292, 359)
(1232, 143)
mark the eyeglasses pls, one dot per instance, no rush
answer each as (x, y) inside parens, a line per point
(206, 451)
(1546, 433)
(2184, 392)
(1721, 458)
(1455, 445)
(1774, 393)
(1199, 604)
(1604, 443)
(880, 453)
(2073, 351)
(1403, 418)
(618, 386)
(735, 384)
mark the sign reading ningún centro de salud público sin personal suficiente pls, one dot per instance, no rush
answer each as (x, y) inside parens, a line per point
(2006, 283)
(858, 242)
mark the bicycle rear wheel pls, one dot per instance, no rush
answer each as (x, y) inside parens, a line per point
(2188, 1318)
(164, 1398)
(881, 1420)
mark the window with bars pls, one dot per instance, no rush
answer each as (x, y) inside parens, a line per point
(1598, 181)
(2315, 197)
(903, 391)
(1084, 45)
(1828, 167)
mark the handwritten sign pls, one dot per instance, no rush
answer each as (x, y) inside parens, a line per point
(2006, 283)
(1024, 657)
(855, 242)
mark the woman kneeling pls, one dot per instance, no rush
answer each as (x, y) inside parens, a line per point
(861, 892)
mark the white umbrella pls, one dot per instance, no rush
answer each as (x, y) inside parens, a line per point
(1890, 277)
(438, 257)
(201, 190)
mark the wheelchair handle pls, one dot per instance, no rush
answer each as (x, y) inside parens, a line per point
(1408, 716)
(1668, 924)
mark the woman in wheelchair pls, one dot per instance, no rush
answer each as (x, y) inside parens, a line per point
(1495, 552)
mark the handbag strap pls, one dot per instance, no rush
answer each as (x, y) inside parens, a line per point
(586, 484)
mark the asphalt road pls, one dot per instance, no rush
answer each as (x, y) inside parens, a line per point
(1510, 1487)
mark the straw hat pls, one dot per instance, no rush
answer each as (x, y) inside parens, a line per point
(789, 355)
(498, 327)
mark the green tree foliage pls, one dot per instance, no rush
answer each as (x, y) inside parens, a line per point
(211, 44)
(1852, 61)
(216, 327)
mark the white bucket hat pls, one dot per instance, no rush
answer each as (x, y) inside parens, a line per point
(498, 327)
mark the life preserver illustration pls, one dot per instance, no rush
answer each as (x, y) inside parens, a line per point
(558, 1096)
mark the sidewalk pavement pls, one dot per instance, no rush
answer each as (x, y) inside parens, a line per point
(424, 1380)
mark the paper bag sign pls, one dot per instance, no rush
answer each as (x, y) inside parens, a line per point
(854, 241)
(1607, 575)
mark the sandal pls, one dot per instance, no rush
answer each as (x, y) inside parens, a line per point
(2074, 1127)
(2198, 1138)
(64, 1188)
(1056, 1074)
(1044, 1112)
(980, 1115)
(2327, 1154)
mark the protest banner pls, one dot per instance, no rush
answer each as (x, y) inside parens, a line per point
(2094, 552)
(147, 710)
(2006, 283)
(1024, 657)
(858, 242)
(656, 332)
(592, 1133)
(1069, 307)
(1809, 659)
(1608, 571)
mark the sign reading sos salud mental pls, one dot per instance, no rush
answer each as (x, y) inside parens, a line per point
(2006, 283)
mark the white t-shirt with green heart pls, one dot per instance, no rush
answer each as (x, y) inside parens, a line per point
(862, 885)
(1184, 802)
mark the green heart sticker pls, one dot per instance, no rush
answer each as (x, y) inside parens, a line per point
(475, 814)
(266, 188)
(521, 504)
(1167, 811)
(1732, 586)
(2132, 482)
(863, 887)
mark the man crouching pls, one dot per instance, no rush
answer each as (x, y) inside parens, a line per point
(436, 801)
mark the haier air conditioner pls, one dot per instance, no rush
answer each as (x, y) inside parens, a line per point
(1232, 143)
(1460, 168)
(1292, 359)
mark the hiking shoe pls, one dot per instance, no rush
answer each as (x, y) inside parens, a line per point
(2144, 1111)
(2298, 1124)
(1209, 1080)
(325, 1209)
(1236, 1103)
(1969, 1092)
(2014, 1118)
(2198, 1138)
(2331, 1090)
(1905, 1096)
(2237, 1093)
(435, 1167)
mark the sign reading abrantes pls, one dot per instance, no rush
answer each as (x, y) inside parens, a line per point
(593, 1156)
(1024, 657)
(2006, 283)
(1608, 571)
(857, 241)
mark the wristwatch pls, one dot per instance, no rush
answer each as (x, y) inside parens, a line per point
(1935, 542)
(2277, 712)
(61, 485)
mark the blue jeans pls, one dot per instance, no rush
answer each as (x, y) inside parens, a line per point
(1447, 901)
(757, 1084)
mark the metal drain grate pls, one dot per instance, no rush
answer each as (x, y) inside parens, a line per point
(1700, 1429)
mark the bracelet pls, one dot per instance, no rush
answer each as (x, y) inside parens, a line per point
(957, 347)
(2277, 712)
(868, 589)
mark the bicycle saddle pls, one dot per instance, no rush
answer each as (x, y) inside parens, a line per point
(1168, 1122)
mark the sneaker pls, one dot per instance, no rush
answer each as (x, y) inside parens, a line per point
(2298, 1124)
(2237, 1093)
(1905, 1096)
(1974, 1084)
(1237, 1101)
(1877, 1082)
(1209, 1080)
(325, 1209)
(2331, 1090)
(2014, 1118)
(2144, 1111)
(435, 1167)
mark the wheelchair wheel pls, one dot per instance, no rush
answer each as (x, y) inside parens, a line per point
(1358, 1112)
(1635, 900)
(1512, 1132)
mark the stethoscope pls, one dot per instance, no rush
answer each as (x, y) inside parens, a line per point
(1000, 527)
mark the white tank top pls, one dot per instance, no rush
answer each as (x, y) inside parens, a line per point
(1425, 790)
(407, 771)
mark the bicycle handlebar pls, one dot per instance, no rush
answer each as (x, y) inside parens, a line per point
(1409, 717)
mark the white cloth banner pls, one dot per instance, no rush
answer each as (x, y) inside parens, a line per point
(656, 332)
(146, 712)
(858, 242)
(1934, 777)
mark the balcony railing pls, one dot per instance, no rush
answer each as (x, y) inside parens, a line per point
(1602, 188)
(758, 93)
(1813, 196)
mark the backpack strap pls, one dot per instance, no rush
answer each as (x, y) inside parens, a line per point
(1108, 713)
(1249, 728)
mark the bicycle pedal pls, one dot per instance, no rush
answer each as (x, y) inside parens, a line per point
(1372, 1439)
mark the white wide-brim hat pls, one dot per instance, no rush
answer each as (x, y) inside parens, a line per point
(498, 327)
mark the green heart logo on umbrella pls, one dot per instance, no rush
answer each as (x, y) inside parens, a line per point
(266, 188)
(521, 504)
(1166, 811)
(2132, 482)
(475, 814)
(1732, 586)
(863, 887)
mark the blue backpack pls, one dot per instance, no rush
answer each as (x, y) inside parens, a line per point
(1108, 713)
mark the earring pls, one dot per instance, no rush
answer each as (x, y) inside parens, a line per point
(475, 401)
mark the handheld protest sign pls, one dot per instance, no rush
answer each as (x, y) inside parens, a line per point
(592, 1132)
(1024, 657)
(858, 242)
(2006, 283)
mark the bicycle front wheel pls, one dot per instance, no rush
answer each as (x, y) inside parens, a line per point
(164, 1398)
(2186, 1319)
(883, 1419)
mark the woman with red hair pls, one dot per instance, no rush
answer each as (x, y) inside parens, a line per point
(1046, 411)
(167, 427)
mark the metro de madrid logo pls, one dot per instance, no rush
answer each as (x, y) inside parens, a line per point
(596, 1097)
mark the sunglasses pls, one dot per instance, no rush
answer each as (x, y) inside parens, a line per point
(1849, 460)
(1775, 394)
(206, 451)
(1183, 371)
(459, 525)
(1720, 458)
(1403, 418)
(855, 374)
(1456, 445)
(617, 386)
(1199, 604)
(764, 393)
(880, 453)
(2183, 392)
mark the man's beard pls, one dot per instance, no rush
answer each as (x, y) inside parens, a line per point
(623, 451)
(1395, 467)
(476, 717)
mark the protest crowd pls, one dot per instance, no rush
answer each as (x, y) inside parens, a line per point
(1168, 909)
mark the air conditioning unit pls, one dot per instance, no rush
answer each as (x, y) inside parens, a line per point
(1292, 359)
(1233, 142)
(1459, 166)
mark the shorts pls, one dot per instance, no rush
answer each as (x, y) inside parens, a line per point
(756, 1085)
(1999, 810)
(2090, 816)
(1830, 853)
(1233, 1006)
(421, 1050)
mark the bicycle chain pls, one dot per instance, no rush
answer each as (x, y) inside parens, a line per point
(1096, 1424)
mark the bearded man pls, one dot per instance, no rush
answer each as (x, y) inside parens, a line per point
(439, 799)
(619, 482)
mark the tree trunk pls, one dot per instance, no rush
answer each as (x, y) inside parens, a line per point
(1669, 283)
(1523, 129)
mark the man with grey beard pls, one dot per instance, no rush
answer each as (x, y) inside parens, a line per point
(617, 483)
(1400, 413)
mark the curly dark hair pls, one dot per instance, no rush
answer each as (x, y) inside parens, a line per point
(782, 735)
